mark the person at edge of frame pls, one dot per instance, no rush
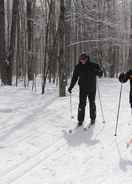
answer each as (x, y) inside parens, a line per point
(124, 77)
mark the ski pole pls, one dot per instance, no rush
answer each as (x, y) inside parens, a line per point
(101, 104)
(118, 110)
(72, 117)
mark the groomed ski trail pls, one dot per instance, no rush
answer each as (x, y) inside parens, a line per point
(39, 152)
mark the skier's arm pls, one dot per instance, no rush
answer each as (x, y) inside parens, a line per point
(74, 78)
(130, 96)
(129, 74)
(123, 77)
(98, 71)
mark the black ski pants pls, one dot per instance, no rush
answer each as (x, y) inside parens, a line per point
(82, 104)
(130, 98)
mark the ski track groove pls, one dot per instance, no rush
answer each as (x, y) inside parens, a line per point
(37, 152)
(17, 167)
(48, 103)
(32, 162)
(36, 162)
(56, 148)
(32, 135)
(26, 118)
(16, 172)
(37, 159)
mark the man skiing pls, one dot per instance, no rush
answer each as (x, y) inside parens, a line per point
(85, 73)
(124, 77)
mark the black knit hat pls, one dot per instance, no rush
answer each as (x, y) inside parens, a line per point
(83, 56)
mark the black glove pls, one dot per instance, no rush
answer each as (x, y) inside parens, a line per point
(100, 74)
(129, 73)
(69, 90)
(123, 78)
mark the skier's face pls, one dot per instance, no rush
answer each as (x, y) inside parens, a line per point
(83, 61)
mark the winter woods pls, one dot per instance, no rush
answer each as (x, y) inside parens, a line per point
(40, 38)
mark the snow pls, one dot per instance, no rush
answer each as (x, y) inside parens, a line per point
(35, 147)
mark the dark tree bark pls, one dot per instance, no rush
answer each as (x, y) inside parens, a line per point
(2, 43)
(130, 48)
(45, 64)
(68, 36)
(11, 52)
(62, 68)
(30, 8)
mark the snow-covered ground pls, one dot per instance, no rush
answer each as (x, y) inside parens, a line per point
(35, 148)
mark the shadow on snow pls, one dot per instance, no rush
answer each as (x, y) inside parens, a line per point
(80, 136)
(124, 164)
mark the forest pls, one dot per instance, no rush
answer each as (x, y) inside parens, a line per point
(51, 131)
(44, 38)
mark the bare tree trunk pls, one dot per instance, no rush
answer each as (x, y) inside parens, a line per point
(45, 64)
(51, 38)
(62, 68)
(18, 67)
(130, 48)
(12, 41)
(68, 36)
(30, 35)
(2, 43)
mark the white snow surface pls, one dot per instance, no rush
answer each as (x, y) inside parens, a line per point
(35, 147)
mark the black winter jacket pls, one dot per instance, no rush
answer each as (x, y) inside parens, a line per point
(129, 76)
(86, 74)
(130, 98)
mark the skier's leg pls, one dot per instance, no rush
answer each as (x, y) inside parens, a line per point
(82, 105)
(92, 106)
